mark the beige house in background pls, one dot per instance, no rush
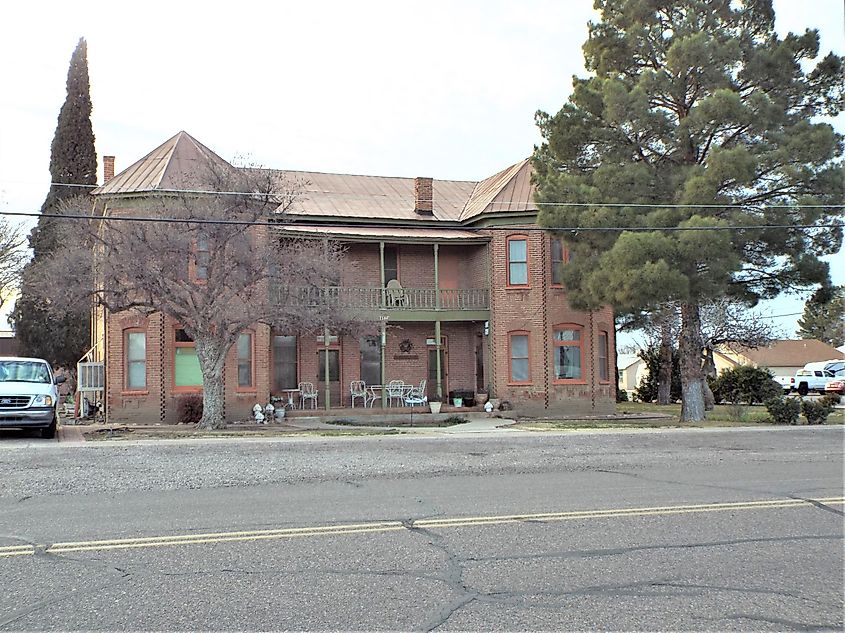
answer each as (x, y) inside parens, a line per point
(783, 357)
(631, 369)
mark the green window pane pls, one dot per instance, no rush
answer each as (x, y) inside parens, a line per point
(187, 368)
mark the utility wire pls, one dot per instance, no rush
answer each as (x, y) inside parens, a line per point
(281, 224)
(385, 198)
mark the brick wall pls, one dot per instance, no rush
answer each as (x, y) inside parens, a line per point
(535, 310)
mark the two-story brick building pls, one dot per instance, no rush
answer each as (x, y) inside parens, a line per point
(465, 286)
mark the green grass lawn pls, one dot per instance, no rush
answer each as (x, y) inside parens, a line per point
(668, 416)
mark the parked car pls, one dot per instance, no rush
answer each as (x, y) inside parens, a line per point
(837, 385)
(29, 395)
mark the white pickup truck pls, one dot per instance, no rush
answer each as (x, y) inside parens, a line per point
(787, 383)
(815, 376)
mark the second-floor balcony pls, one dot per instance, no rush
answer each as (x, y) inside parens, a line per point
(398, 300)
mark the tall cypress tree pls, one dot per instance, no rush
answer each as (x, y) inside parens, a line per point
(43, 331)
(691, 165)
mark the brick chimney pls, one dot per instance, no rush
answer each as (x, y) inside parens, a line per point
(423, 196)
(108, 168)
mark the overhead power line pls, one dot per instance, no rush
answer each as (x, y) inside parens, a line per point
(406, 199)
(280, 224)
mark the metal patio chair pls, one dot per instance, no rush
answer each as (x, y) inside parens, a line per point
(417, 396)
(358, 389)
(307, 392)
(395, 391)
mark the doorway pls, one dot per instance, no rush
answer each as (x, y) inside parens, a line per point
(334, 376)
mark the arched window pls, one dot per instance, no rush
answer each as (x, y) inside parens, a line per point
(246, 361)
(519, 353)
(517, 246)
(603, 353)
(135, 370)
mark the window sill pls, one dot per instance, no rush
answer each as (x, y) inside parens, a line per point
(569, 381)
(520, 384)
(196, 389)
(134, 392)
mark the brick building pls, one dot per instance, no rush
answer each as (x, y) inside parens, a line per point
(465, 286)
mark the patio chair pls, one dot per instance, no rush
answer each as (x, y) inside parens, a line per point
(417, 396)
(307, 392)
(395, 391)
(394, 293)
(358, 389)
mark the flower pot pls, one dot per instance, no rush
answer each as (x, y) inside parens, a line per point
(481, 398)
(458, 402)
(435, 406)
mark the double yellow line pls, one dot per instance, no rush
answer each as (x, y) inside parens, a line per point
(394, 526)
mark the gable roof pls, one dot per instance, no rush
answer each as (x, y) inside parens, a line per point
(788, 353)
(181, 162)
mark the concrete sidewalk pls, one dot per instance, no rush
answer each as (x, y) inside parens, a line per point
(477, 423)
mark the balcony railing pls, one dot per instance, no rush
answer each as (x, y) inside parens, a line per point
(388, 298)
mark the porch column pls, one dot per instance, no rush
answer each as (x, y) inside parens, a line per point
(437, 355)
(381, 272)
(326, 343)
(382, 345)
(436, 280)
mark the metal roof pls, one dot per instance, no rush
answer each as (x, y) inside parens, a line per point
(383, 232)
(371, 197)
(506, 192)
(180, 163)
(183, 163)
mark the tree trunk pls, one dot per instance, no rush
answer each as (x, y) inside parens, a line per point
(211, 354)
(692, 377)
(709, 372)
(664, 374)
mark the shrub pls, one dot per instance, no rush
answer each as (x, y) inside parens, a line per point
(784, 410)
(621, 395)
(189, 409)
(816, 412)
(832, 398)
(745, 384)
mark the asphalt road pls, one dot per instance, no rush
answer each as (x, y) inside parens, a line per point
(676, 530)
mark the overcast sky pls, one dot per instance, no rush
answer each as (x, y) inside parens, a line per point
(396, 88)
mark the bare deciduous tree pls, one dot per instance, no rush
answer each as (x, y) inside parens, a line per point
(12, 258)
(208, 261)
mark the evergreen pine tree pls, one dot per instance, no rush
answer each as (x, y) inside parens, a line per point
(824, 316)
(43, 331)
(697, 119)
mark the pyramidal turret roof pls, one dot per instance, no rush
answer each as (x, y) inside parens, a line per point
(508, 191)
(180, 163)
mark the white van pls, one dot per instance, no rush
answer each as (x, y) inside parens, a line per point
(29, 395)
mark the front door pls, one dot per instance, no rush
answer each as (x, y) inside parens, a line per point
(370, 360)
(334, 377)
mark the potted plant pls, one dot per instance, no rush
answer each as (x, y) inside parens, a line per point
(434, 404)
